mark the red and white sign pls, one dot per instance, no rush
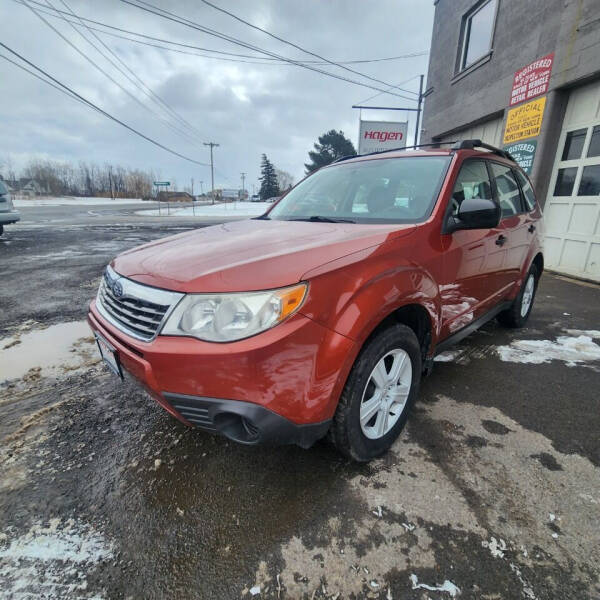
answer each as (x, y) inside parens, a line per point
(533, 80)
(378, 136)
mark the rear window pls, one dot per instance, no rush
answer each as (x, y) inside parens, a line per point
(3, 189)
(387, 190)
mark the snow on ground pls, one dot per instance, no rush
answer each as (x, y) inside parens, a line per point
(51, 561)
(71, 200)
(233, 209)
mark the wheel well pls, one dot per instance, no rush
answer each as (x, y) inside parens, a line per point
(538, 261)
(417, 318)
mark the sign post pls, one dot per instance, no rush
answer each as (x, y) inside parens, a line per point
(160, 184)
(379, 136)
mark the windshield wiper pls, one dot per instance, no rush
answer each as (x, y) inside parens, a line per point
(322, 219)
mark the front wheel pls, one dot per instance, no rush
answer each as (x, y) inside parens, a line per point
(377, 397)
(519, 312)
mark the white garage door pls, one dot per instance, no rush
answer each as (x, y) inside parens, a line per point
(572, 211)
(489, 132)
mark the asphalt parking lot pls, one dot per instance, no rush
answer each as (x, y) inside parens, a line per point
(492, 491)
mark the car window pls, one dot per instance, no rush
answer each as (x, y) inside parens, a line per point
(528, 194)
(386, 190)
(3, 189)
(509, 194)
(472, 182)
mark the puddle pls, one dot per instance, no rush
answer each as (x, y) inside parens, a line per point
(47, 352)
(571, 350)
(51, 561)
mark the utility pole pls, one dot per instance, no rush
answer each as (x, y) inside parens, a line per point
(212, 168)
(420, 102)
(201, 189)
(192, 186)
(243, 186)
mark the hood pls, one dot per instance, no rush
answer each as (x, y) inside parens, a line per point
(248, 255)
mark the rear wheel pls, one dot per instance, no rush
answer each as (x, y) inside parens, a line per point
(376, 400)
(1, 229)
(519, 312)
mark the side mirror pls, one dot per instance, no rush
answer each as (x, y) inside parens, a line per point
(474, 213)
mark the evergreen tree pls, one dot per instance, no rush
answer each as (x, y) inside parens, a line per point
(330, 146)
(268, 179)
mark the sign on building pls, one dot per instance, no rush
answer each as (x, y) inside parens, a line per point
(524, 121)
(533, 80)
(378, 136)
(523, 153)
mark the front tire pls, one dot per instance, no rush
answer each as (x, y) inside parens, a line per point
(378, 394)
(517, 315)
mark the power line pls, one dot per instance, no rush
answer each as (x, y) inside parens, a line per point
(70, 92)
(265, 60)
(188, 23)
(144, 88)
(99, 68)
(284, 41)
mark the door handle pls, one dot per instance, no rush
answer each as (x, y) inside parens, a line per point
(501, 240)
(531, 228)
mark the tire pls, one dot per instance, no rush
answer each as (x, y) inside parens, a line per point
(518, 313)
(1, 229)
(363, 442)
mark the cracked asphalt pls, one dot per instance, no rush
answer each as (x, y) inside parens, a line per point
(491, 492)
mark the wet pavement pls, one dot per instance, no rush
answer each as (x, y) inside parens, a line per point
(492, 491)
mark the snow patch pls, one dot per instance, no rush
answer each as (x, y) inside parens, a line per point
(448, 356)
(572, 350)
(74, 201)
(232, 209)
(447, 586)
(51, 561)
(496, 547)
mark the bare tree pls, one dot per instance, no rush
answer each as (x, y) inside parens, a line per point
(284, 179)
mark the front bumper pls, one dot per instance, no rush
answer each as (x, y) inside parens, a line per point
(281, 386)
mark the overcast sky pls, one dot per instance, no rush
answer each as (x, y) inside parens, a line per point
(247, 108)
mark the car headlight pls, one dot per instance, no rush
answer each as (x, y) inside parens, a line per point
(231, 317)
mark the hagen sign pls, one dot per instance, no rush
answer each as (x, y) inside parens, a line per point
(524, 121)
(377, 136)
(523, 153)
(532, 81)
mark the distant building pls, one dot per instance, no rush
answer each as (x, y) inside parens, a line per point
(25, 187)
(526, 76)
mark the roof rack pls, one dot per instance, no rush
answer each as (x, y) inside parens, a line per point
(472, 144)
(411, 147)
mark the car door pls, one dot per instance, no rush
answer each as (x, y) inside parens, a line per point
(471, 257)
(513, 233)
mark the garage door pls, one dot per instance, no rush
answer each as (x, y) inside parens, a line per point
(489, 132)
(572, 211)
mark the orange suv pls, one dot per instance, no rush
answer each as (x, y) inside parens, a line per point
(319, 317)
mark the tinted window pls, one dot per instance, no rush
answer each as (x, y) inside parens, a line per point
(528, 193)
(477, 37)
(594, 149)
(574, 144)
(472, 182)
(590, 181)
(565, 180)
(509, 195)
(386, 190)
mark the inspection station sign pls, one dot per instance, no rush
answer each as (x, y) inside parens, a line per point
(533, 80)
(524, 121)
(523, 153)
(378, 136)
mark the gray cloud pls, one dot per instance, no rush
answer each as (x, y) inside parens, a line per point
(247, 108)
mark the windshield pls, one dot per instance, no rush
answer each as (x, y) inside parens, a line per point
(390, 190)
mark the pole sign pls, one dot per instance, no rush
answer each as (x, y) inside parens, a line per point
(533, 80)
(379, 136)
(162, 183)
(524, 121)
(523, 153)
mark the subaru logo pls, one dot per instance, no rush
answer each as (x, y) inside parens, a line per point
(117, 289)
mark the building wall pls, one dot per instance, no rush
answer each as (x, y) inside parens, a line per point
(525, 30)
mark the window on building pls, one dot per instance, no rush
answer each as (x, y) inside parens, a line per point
(565, 180)
(472, 182)
(509, 195)
(574, 144)
(590, 181)
(528, 193)
(594, 149)
(477, 33)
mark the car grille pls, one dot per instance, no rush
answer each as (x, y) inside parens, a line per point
(133, 308)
